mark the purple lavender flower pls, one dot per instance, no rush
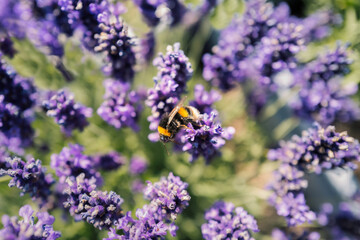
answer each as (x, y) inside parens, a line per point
(277, 51)
(67, 113)
(174, 70)
(229, 64)
(204, 100)
(168, 11)
(225, 222)
(144, 227)
(71, 162)
(100, 209)
(317, 149)
(84, 13)
(322, 96)
(206, 138)
(277, 234)
(28, 228)
(16, 90)
(138, 165)
(14, 126)
(121, 107)
(29, 177)
(115, 41)
(169, 195)
(110, 161)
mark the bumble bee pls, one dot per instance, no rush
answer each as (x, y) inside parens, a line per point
(171, 123)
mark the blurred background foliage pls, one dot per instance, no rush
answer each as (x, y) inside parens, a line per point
(240, 175)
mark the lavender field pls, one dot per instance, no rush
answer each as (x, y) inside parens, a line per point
(174, 119)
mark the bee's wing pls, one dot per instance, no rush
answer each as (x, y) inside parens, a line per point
(175, 110)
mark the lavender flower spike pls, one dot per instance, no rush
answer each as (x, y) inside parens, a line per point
(317, 149)
(206, 138)
(115, 41)
(174, 70)
(121, 107)
(169, 195)
(277, 234)
(71, 162)
(29, 177)
(27, 228)
(67, 113)
(100, 209)
(144, 227)
(227, 222)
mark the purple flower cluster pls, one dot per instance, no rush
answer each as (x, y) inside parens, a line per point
(258, 46)
(83, 14)
(204, 100)
(109, 161)
(169, 195)
(29, 177)
(228, 65)
(68, 114)
(121, 107)
(206, 138)
(28, 228)
(144, 227)
(168, 199)
(17, 99)
(71, 162)
(277, 51)
(277, 234)
(114, 40)
(138, 165)
(344, 224)
(224, 221)
(316, 150)
(100, 209)
(322, 96)
(174, 70)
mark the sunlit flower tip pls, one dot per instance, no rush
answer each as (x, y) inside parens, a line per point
(205, 139)
(109, 161)
(29, 227)
(224, 221)
(66, 112)
(71, 162)
(29, 177)
(138, 165)
(101, 209)
(121, 106)
(169, 195)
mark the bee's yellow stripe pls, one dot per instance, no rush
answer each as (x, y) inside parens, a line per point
(182, 111)
(163, 131)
